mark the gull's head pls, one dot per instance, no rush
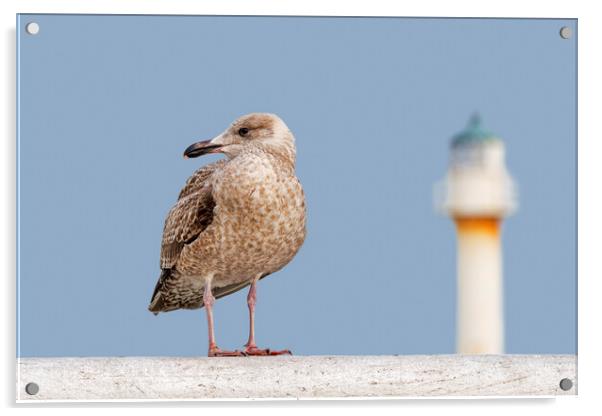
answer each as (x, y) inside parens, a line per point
(252, 131)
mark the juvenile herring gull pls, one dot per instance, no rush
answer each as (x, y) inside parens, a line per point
(235, 222)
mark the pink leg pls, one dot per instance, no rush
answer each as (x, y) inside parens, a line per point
(251, 300)
(214, 351)
(250, 346)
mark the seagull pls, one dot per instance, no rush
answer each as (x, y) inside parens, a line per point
(235, 222)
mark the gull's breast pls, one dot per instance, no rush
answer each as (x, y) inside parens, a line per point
(262, 221)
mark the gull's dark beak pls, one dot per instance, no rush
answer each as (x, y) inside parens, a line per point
(201, 148)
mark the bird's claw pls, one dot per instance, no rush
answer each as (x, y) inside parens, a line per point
(249, 351)
(216, 352)
(254, 351)
(281, 352)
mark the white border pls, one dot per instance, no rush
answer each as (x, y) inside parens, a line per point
(590, 172)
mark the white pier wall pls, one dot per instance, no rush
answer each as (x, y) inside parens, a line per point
(297, 377)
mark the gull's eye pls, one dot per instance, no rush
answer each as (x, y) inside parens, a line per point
(243, 132)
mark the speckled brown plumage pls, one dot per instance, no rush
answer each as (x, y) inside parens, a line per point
(235, 220)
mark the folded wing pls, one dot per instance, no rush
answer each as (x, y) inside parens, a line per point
(192, 213)
(187, 219)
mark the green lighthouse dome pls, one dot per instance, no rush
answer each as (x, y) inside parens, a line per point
(473, 133)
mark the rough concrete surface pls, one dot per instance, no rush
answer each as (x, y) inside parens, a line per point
(297, 377)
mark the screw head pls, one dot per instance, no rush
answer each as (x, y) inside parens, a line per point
(32, 28)
(32, 389)
(566, 32)
(566, 384)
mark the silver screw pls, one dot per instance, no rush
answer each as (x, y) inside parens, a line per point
(566, 32)
(32, 28)
(566, 384)
(32, 389)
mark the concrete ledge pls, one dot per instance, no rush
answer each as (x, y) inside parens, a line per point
(151, 378)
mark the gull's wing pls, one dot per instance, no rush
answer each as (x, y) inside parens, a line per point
(184, 223)
(188, 218)
(199, 178)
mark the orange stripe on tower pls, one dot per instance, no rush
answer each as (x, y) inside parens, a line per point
(480, 225)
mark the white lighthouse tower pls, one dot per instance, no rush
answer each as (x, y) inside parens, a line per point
(477, 194)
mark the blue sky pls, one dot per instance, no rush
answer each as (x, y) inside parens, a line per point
(107, 104)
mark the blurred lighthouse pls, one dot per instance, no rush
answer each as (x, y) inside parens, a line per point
(477, 194)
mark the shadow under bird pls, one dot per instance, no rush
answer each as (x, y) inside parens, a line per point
(236, 221)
